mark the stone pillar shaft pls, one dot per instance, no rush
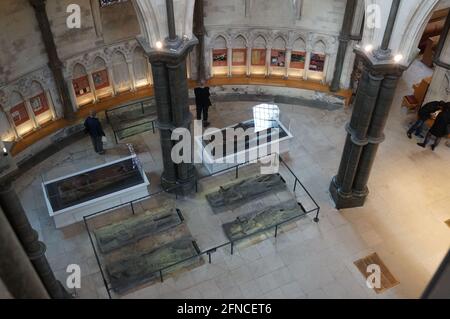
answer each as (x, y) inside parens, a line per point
(376, 135)
(16, 271)
(343, 44)
(199, 32)
(28, 237)
(365, 132)
(55, 63)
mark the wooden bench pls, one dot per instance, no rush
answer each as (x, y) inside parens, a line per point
(414, 102)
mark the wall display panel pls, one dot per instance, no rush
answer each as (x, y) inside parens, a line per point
(101, 79)
(39, 104)
(278, 58)
(298, 59)
(317, 63)
(220, 57)
(81, 86)
(19, 114)
(239, 57)
(259, 57)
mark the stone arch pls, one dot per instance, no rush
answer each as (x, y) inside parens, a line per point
(220, 42)
(279, 43)
(120, 70)
(79, 70)
(240, 41)
(320, 47)
(98, 63)
(140, 66)
(299, 44)
(259, 41)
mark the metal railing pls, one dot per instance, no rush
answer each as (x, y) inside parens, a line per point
(208, 252)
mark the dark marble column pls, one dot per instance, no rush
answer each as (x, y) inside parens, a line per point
(344, 39)
(383, 52)
(199, 32)
(172, 100)
(376, 135)
(16, 271)
(54, 63)
(28, 237)
(365, 131)
(341, 187)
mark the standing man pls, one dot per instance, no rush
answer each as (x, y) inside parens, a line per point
(425, 114)
(203, 102)
(93, 127)
(438, 130)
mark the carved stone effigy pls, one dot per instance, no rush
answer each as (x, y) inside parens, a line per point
(144, 267)
(256, 222)
(245, 191)
(130, 231)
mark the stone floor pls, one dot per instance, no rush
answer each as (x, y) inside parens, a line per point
(403, 220)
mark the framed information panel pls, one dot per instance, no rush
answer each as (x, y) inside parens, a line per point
(19, 114)
(317, 62)
(298, 59)
(259, 57)
(39, 104)
(81, 86)
(239, 57)
(101, 79)
(278, 58)
(220, 57)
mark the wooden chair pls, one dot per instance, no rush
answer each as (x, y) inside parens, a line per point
(415, 101)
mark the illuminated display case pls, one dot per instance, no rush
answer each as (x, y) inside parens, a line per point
(71, 197)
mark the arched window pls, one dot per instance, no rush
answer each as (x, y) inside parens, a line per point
(100, 74)
(80, 81)
(140, 66)
(121, 72)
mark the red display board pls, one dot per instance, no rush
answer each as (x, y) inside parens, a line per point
(39, 104)
(239, 57)
(220, 57)
(19, 114)
(317, 62)
(101, 79)
(298, 59)
(278, 58)
(259, 57)
(81, 86)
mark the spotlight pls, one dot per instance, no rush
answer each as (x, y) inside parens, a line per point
(2, 146)
(398, 58)
(368, 48)
(159, 45)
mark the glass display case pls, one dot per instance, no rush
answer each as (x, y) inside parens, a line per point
(69, 198)
(244, 142)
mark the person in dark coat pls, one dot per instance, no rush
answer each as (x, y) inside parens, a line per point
(439, 129)
(203, 102)
(424, 115)
(93, 127)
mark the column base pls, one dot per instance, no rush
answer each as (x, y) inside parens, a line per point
(179, 187)
(344, 201)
